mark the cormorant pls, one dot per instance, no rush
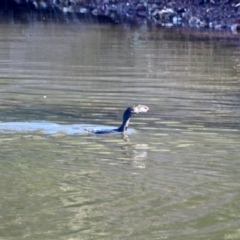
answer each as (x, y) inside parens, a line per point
(126, 119)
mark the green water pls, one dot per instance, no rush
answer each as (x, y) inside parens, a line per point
(175, 177)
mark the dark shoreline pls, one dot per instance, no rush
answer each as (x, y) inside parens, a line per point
(195, 14)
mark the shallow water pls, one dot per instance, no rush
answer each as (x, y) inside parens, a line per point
(176, 176)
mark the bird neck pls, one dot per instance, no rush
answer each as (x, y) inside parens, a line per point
(124, 125)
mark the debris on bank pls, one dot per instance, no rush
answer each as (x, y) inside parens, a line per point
(213, 14)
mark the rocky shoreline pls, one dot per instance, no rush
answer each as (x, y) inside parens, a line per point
(202, 14)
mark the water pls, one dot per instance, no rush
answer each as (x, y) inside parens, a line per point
(176, 176)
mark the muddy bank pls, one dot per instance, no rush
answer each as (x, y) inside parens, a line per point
(212, 14)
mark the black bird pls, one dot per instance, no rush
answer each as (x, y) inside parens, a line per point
(126, 119)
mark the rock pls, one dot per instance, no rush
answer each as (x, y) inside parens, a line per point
(83, 10)
(95, 12)
(164, 15)
(194, 22)
(235, 28)
(177, 20)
